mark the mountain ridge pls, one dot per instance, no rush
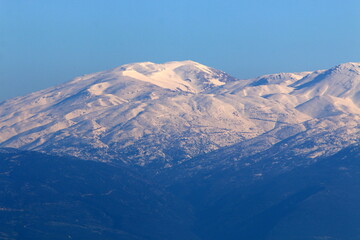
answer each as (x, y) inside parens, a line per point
(168, 113)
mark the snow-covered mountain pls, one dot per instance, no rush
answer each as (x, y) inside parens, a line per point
(147, 113)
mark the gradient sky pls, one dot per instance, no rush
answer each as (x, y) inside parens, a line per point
(47, 42)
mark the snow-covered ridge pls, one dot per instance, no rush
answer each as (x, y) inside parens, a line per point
(147, 112)
(187, 76)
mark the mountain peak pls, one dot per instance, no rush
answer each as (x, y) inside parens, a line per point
(150, 67)
(352, 68)
(187, 76)
(348, 65)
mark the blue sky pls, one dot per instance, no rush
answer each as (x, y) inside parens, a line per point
(43, 43)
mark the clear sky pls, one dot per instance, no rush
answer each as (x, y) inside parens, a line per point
(46, 42)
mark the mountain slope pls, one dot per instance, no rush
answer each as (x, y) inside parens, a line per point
(318, 200)
(47, 197)
(165, 114)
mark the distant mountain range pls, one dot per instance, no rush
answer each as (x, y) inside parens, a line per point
(166, 114)
(183, 151)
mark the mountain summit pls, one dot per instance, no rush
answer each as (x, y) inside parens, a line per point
(186, 76)
(165, 114)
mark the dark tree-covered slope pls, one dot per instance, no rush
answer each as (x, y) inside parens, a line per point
(46, 197)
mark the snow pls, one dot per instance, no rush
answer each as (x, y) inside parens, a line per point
(147, 112)
(168, 75)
